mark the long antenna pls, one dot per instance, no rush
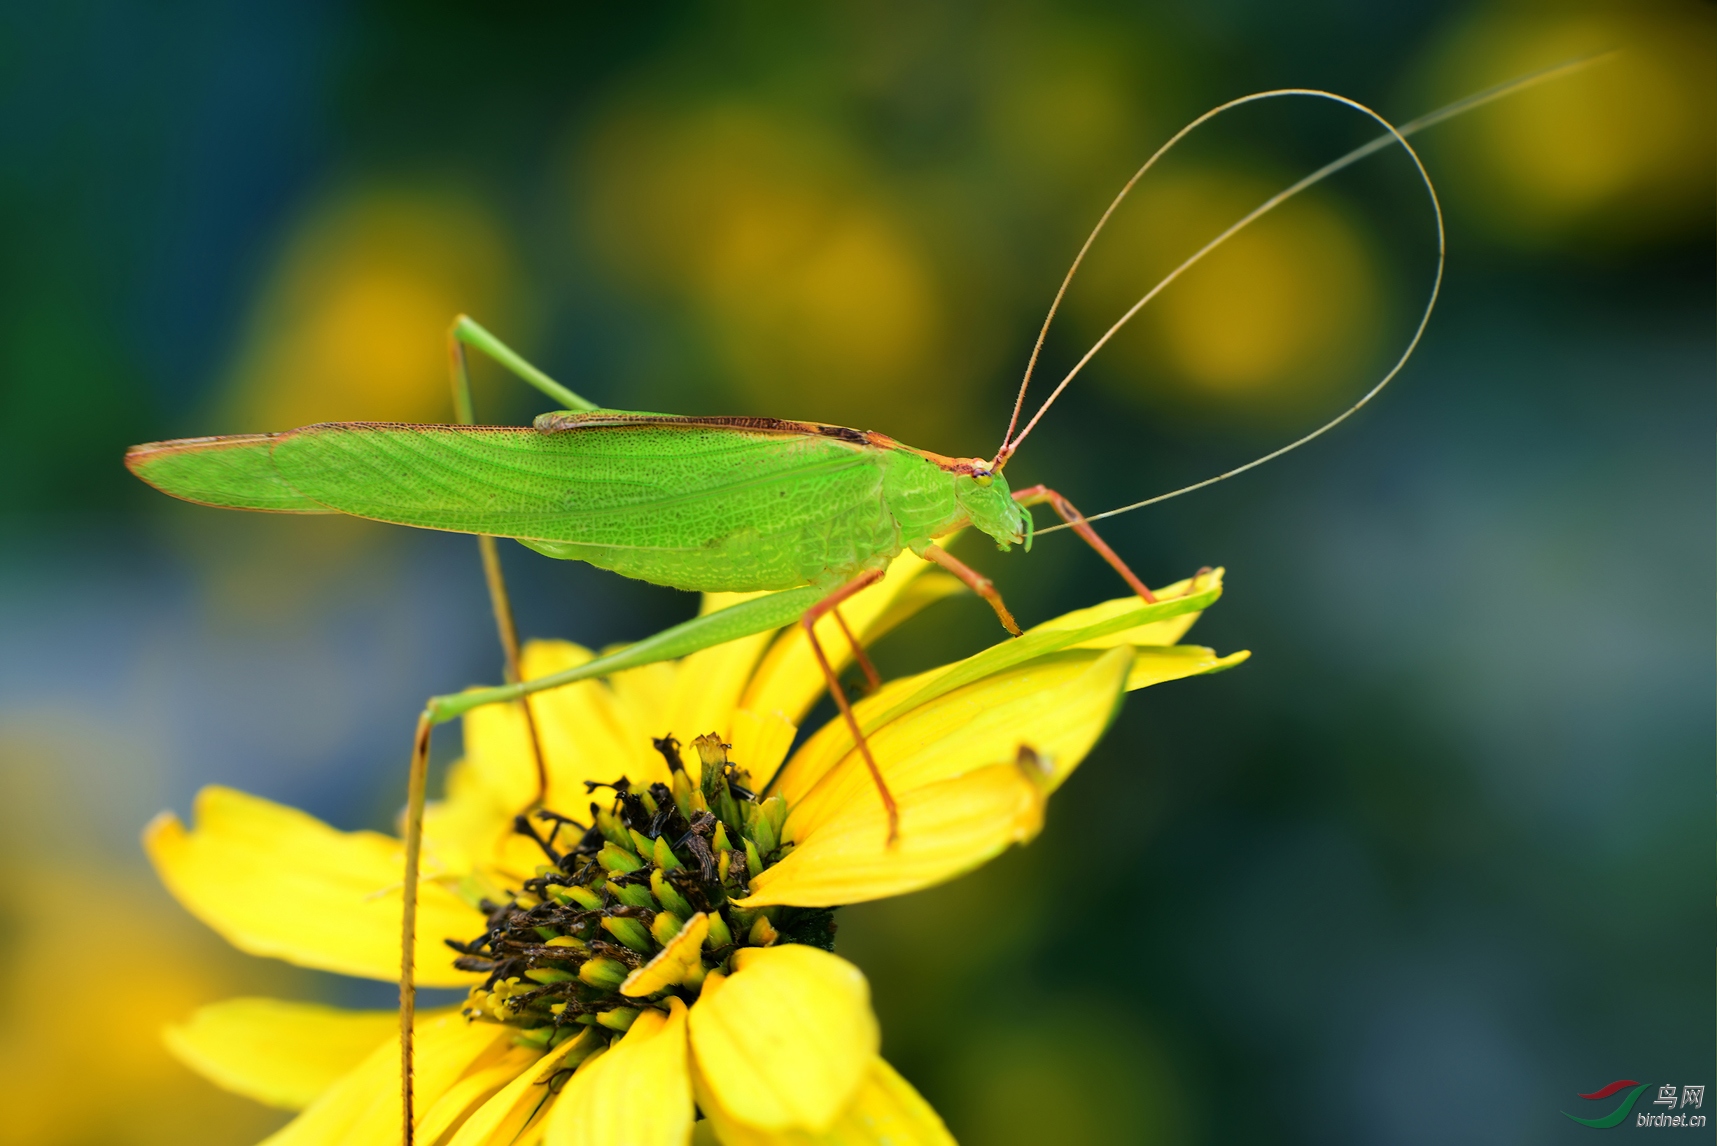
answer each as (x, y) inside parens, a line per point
(1391, 135)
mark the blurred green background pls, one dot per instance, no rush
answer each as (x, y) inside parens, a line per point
(1436, 859)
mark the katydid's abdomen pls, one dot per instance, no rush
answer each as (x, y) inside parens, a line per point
(732, 504)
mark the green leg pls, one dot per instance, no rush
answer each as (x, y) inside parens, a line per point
(466, 332)
(465, 412)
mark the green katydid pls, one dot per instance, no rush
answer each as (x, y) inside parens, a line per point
(809, 511)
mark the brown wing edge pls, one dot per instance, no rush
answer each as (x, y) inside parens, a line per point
(567, 420)
(228, 472)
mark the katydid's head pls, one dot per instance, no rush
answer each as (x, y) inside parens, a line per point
(984, 495)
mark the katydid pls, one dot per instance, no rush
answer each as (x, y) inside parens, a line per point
(810, 511)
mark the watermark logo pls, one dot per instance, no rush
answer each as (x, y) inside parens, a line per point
(1668, 1095)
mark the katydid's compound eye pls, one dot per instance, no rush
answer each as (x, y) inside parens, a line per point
(983, 479)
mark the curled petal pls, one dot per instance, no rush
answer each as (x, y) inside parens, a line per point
(1166, 632)
(1059, 704)
(639, 1093)
(280, 1053)
(946, 829)
(673, 963)
(1159, 665)
(786, 1040)
(274, 881)
(833, 743)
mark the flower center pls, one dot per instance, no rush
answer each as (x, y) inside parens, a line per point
(591, 939)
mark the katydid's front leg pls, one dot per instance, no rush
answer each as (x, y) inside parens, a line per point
(1038, 494)
(975, 581)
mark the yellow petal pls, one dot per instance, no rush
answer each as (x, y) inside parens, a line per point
(586, 734)
(461, 831)
(638, 1094)
(363, 1106)
(471, 1092)
(709, 683)
(1059, 704)
(946, 829)
(828, 745)
(789, 680)
(497, 756)
(1042, 643)
(645, 693)
(1157, 633)
(503, 1117)
(280, 1053)
(760, 743)
(275, 881)
(671, 964)
(788, 1038)
(886, 1111)
(1159, 665)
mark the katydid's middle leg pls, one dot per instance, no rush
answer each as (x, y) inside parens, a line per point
(1038, 494)
(809, 622)
(871, 679)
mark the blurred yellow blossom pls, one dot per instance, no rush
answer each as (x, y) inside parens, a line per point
(349, 325)
(1269, 321)
(1614, 154)
(810, 286)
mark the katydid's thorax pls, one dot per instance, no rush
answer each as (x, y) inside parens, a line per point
(930, 496)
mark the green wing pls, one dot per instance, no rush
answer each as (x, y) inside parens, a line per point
(234, 473)
(694, 503)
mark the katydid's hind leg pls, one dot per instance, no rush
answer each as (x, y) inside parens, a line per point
(502, 605)
(809, 622)
(1038, 494)
(976, 581)
(408, 915)
(459, 372)
(467, 332)
(872, 680)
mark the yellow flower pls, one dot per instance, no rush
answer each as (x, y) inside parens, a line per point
(671, 955)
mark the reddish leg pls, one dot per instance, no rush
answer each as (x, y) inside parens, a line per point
(1038, 494)
(976, 581)
(871, 678)
(809, 621)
